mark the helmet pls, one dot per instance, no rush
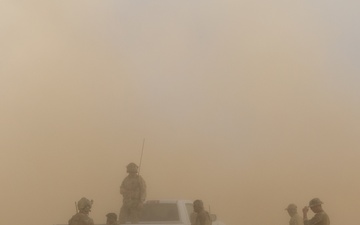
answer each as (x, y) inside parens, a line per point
(132, 168)
(111, 215)
(199, 203)
(315, 202)
(291, 207)
(83, 203)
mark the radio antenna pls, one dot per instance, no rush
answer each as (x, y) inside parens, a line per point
(142, 152)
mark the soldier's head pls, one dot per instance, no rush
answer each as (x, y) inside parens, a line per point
(132, 168)
(84, 205)
(291, 209)
(111, 219)
(198, 206)
(315, 205)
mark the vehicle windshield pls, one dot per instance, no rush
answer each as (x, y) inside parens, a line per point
(159, 212)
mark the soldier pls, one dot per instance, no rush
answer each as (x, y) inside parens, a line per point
(320, 217)
(295, 219)
(111, 219)
(202, 217)
(133, 190)
(82, 217)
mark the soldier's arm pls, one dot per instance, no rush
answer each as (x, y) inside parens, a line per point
(142, 188)
(123, 190)
(305, 211)
(315, 220)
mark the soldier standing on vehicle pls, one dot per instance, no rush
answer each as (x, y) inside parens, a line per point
(82, 216)
(202, 217)
(111, 219)
(133, 190)
(320, 217)
(295, 219)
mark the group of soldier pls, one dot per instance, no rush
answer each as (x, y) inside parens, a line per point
(315, 204)
(133, 190)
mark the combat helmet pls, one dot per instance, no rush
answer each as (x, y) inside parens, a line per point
(83, 203)
(132, 168)
(291, 207)
(199, 203)
(314, 202)
(112, 215)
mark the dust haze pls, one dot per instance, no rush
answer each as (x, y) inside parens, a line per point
(247, 105)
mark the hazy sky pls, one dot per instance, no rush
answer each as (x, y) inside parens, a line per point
(247, 105)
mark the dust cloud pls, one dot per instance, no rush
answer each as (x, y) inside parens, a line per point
(247, 105)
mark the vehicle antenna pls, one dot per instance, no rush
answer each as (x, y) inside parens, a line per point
(76, 208)
(142, 151)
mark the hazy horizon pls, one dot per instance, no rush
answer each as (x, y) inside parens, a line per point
(247, 105)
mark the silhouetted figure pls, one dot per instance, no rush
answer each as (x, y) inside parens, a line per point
(320, 217)
(200, 216)
(111, 219)
(133, 190)
(82, 217)
(295, 219)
